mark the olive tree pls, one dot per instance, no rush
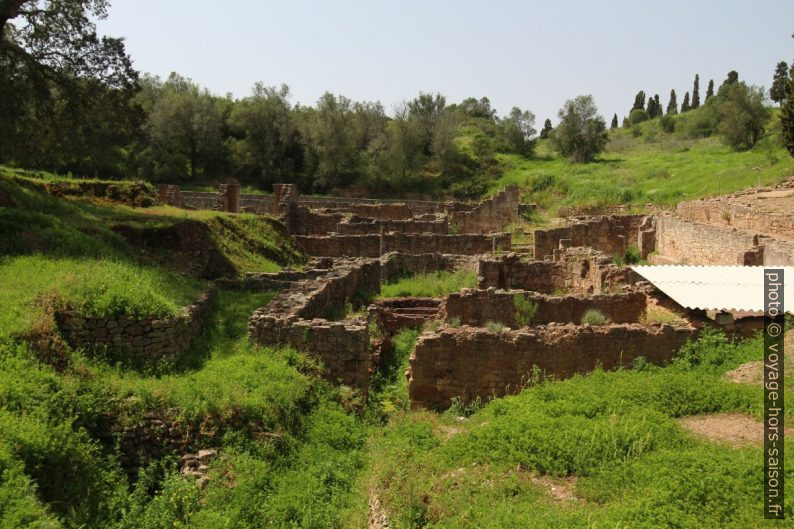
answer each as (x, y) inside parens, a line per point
(581, 133)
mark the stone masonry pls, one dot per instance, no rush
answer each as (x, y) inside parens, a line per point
(469, 362)
(137, 342)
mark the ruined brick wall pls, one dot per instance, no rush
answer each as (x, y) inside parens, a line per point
(362, 226)
(467, 362)
(310, 222)
(577, 270)
(137, 343)
(296, 317)
(396, 265)
(169, 195)
(477, 307)
(743, 210)
(228, 198)
(685, 242)
(259, 204)
(609, 234)
(370, 245)
(490, 215)
(778, 253)
(199, 200)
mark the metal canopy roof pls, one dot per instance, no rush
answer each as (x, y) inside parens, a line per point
(728, 288)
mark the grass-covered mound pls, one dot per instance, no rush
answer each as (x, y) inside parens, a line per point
(611, 437)
(646, 164)
(59, 251)
(433, 284)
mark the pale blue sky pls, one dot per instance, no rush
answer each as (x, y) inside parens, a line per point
(531, 54)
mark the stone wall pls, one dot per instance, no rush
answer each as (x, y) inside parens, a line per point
(477, 307)
(229, 198)
(138, 343)
(376, 245)
(362, 226)
(609, 234)
(199, 200)
(685, 242)
(490, 215)
(395, 265)
(467, 362)
(296, 317)
(746, 210)
(778, 253)
(169, 195)
(577, 270)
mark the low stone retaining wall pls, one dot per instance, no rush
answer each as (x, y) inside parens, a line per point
(609, 234)
(137, 342)
(468, 362)
(477, 307)
(296, 317)
(490, 215)
(376, 245)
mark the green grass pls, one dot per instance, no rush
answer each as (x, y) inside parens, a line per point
(614, 432)
(434, 284)
(655, 167)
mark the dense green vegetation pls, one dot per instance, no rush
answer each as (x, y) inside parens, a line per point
(610, 437)
(433, 284)
(646, 164)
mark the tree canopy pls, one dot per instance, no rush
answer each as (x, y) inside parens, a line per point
(581, 133)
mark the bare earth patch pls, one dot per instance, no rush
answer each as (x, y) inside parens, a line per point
(753, 372)
(735, 429)
(560, 489)
(377, 515)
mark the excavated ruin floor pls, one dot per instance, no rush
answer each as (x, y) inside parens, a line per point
(753, 372)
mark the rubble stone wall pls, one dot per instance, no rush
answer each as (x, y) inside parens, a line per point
(395, 265)
(469, 362)
(370, 245)
(683, 241)
(778, 253)
(576, 271)
(490, 215)
(137, 342)
(359, 226)
(609, 234)
(477, 307)
(296, 317)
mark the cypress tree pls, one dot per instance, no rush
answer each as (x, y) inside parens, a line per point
(685, 104)
(651, 109)
(658, 105)
(614, 124)
(710, 90)
(672, 106)
(780, 83)
(546, 130)
(787, 115)
(733, 77)
(639, 101)
(696, 92)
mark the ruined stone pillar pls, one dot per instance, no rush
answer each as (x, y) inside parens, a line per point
(229, 197)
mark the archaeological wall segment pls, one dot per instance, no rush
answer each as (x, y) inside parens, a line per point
(477, 307)
(377, 245)
(470, 363)
(609, 234)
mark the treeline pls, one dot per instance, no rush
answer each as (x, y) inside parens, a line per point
(189, 134)
(736, 112)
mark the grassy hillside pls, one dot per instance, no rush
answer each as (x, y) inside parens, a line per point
(646, 165)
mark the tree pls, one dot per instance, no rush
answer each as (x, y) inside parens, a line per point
(184, 132)
(787, 116)
(478, 109)
(581, 133)
(654, 107)
(546, 130)
(519, 130)
(265, 144)
(710, 90)
(685, 104)
(425, 111)
(66, 91)
(658, 104)
(742, 115)
(732, 77)
(780, 83)
(614, 123)
(639, 101)
(696, 92)
(672, 106)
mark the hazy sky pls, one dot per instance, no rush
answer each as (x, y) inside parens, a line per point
(531, 54)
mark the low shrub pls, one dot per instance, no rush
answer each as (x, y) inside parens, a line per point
(594, 317)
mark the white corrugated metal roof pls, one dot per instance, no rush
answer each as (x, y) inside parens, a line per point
(729, 288)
